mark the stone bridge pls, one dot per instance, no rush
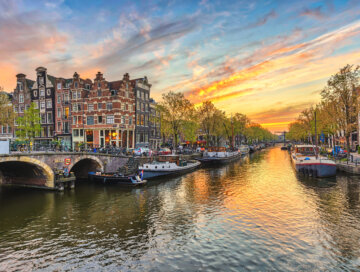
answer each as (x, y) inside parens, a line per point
(38, 169)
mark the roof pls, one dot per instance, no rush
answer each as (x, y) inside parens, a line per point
(30, 83)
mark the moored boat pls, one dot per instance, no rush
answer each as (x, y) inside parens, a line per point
(117, 178)
(167, 165)
(219, 155)
(307, 160)
(244, 149)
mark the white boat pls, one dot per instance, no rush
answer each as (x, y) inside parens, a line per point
(244, 149)
(219, 155)
(167, 165)
(307, 160)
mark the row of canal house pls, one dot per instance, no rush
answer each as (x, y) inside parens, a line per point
(97, 113)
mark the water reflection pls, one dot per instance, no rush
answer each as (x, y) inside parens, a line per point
(253, 214)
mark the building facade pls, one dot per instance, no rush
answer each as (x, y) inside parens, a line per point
(63, 112)
(103, 113)
(141, 88)
(43, 95)
(22, 96)
(154, 124)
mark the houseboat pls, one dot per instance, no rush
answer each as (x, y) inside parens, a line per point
(167, 165)
(219, 155)
(307, 160)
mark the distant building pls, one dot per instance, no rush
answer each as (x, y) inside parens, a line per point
(6, 130)
(22, 96)
(154, 124)
(142, 98)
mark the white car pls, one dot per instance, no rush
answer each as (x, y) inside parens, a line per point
(141, 151)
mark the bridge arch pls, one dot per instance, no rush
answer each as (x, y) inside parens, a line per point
(23, 170)
(84, 164)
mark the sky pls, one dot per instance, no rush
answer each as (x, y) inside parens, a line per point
(266, 59)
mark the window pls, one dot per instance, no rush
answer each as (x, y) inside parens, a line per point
(110, 119)
(35, 93)
(21, 98)
(138, 94)
(87, 86)
(76, 133)
(41, 81)
(59, 112)
(138, 119)
(59, 86)
(48, 91)
(48, 104)
(99, 92)
(66, 97)
(66, 127)
(42, 105)
(74, 107)
(100, 119)
(99, 84)
(142, 119)
(20, 86)
(130, 120)
(90, 107)
(81, 133)
(49, 117)
(79, 94)
(76, 85)
(138, 105)
(74, 120)
(80, 120)
(109, 106)
(43, 118)
(21, 109)
(59, 126)
(79, 107)
(122, 119)
(42, 92)
(99, 106)
(90, 120)
(59, 98)
(123, 106)
(143, 106)
(74, 94)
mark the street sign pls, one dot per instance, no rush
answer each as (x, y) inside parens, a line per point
(67, 161)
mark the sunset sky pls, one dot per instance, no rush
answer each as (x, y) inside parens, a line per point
(266, 59)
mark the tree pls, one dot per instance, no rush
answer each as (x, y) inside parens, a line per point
(191, 126)
(341, 91)
(29, 124)
(7, 113)
(175, 110)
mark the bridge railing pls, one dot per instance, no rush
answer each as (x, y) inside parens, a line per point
(24, 147)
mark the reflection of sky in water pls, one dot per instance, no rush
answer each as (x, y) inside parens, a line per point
(254, 214)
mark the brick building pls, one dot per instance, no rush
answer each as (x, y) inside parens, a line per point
(63, 112)
(103, 113)
(43, 95)
(22, 96)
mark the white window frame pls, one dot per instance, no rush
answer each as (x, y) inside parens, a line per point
(110, 119)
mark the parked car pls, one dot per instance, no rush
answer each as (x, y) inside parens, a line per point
(141, 151)
(164, 151)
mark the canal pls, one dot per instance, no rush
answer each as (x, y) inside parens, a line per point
(253, 214)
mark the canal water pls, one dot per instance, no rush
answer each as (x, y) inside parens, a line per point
(254, 214)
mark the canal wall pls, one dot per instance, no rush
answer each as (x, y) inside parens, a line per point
(351, 168)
